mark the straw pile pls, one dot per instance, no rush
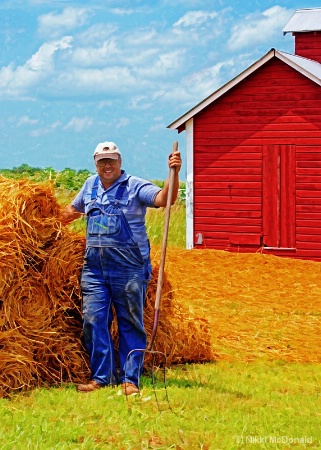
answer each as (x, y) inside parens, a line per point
(40, 298)
(258, 306)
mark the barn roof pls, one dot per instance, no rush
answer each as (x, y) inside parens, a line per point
(307, 67)
(304, 20)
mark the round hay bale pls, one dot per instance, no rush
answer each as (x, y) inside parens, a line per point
(18, 370)
(61, 271)
(27, 306)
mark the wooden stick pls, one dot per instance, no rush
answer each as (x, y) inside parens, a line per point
(163, 252)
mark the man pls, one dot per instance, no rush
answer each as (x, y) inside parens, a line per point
(116, 265)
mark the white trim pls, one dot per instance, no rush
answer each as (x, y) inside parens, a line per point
(189, 184)
(290, 60)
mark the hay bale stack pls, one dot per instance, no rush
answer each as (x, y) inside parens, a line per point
(29, 213)
(39, 337)
(40, 298)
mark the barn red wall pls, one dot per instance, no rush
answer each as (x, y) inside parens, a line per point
(308, 45)
(274, 106)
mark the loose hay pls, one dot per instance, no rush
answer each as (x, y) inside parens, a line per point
(215, 304)
(257, 305)
(181, 336)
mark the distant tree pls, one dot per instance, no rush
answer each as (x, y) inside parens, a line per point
(25, 169)
(71, 179)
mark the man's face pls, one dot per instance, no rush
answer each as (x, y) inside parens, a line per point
(109, 170)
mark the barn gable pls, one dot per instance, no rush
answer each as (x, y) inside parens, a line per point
(310, 69)
(254, 160)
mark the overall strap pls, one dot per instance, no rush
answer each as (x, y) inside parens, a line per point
(95, 189)
(120, 191)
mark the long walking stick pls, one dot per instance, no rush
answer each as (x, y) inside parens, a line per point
(163, 253)
(160, 284)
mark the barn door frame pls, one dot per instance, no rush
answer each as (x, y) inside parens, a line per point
(279, 201)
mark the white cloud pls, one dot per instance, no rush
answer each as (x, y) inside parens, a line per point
(192, 18)
(42, 60)
(168, 61)
(195, 87)
(122, 11)
(157, 127)
(139, 59)
(258, 28)
(96, 33)
(206, 81)
(39, 2)
(195, 29)
(122, 122)
(90, 81)
(88, 56)
(45, 130)
(141, 102)
(134, 49)
(141, 37)
(55, 24)
(79, 124)
(26, 120)
(16, 82)
(104, 104)
(166, 64)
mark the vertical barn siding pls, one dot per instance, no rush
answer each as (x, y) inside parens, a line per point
(308, 45)
(278, 212)
(271, 196)
(309, 199)
(276, 105)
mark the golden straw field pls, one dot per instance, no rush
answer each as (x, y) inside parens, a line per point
(256, 305)
(215, 305)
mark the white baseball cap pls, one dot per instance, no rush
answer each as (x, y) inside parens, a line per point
(106, 150)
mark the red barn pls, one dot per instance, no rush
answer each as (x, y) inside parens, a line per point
(254, 154)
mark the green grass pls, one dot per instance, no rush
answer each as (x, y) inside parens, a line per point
(155, 219)
(212, 406)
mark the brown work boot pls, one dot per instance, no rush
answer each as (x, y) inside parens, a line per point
(89, 387)
(129, 389)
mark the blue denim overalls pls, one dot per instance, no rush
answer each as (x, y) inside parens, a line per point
(114, 272)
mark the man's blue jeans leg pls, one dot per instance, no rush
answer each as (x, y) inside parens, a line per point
(112, 277)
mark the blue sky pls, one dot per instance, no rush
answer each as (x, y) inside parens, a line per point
(76, 73)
